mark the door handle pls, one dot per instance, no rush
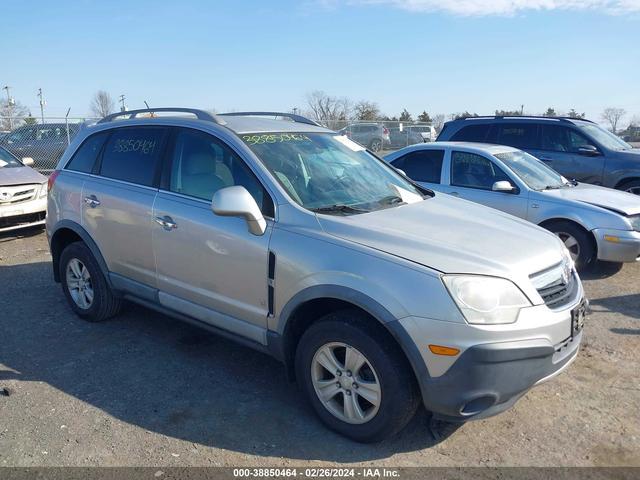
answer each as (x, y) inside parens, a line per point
(92, 201)
(546, 159)
(166, 222)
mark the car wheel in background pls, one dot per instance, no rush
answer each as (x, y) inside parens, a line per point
(375, 145)
(631, 187)
(577, 240)
(356, 379)
(85, 286)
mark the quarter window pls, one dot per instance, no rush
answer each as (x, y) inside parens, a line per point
(85, 157)
(422, 166)
(474, 171)
(132, 154)
(202, 165)
(472, 133)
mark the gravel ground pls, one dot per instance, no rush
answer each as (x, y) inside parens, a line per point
(145, 390)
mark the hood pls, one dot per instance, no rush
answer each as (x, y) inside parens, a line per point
(20, 176)
(453, 236)
(608, 198)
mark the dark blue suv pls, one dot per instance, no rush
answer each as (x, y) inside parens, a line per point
(577, 148)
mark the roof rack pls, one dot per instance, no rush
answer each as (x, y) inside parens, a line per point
(200, 114)
(292, 116)
(562, 119)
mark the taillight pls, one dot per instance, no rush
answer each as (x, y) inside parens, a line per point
(52, 179)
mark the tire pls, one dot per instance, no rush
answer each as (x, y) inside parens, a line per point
(103, 304)
(385, 366)
(578, 241)
(375, 145)
(632, 186)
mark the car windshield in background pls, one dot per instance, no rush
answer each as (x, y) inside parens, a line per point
(330, 173)
(604, 137)
(7, 160)
(532, 171)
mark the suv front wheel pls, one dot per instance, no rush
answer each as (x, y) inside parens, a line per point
(85, 286)
(356, 379)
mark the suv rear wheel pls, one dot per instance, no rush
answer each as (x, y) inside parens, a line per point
(85, 286)
(357, 381)
(375, 145)
(632, 186)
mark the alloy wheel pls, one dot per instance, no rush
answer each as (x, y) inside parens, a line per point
(571, 243)
(346, 383)
(79, 283)
(634, 190)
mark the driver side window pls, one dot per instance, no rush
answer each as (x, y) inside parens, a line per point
(474, 171)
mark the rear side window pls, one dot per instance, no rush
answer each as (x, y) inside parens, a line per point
(518, 135)
(472, 133)
(85, 157)
(422, 166)
(132, 154)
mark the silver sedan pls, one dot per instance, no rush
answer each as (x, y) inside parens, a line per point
(594, 222)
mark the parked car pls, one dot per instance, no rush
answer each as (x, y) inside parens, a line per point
(45, 143)
(23, 193)
(593, 222)
(399, 139)
(375, 293)
(428, 132)
(374, 136)
(576, 148)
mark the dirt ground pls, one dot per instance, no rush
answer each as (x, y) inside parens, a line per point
(145, 390)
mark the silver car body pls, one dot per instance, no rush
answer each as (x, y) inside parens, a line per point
(23, 195)
(211, 270)
(606, 213)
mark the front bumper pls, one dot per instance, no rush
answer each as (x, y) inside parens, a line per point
(617, 245)
(497, 364)
(23, 214)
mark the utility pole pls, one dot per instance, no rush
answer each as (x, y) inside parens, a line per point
(10, 103)
(295, 110)
(42, 104)
(122, 107)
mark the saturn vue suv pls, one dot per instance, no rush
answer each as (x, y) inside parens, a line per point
(377, 295)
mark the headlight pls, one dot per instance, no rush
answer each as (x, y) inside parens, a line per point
(635, 222)
(486, 300)
(44, 189)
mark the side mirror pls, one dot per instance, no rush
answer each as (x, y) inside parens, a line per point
(237, 202)
(503, 186)
(401, 172)
(588, 151)
(27, 161)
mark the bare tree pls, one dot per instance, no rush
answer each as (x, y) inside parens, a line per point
(12, 115)
(438, 121)
(328, 110)
(365, 110)
(613, 116)
(102, 104)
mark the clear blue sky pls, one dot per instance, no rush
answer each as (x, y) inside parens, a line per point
(269, 54)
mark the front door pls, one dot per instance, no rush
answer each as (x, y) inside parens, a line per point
(210, 267)
(472, 178)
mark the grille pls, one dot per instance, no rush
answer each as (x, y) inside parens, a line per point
(19, 194)
(557, 286)
(21, 219)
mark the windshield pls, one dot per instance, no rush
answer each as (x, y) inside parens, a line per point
(7, 160)
(604, 137)
(532, 171)
(330, 173)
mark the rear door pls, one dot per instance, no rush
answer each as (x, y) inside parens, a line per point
(560, 149)
(210, 267)
(472, 177)
(422, 166)
(117, 201)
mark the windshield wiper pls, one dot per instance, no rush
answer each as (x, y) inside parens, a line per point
(552, 187)
(339, 208)
(391, 200)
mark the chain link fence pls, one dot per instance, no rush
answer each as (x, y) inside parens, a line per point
(45, 141)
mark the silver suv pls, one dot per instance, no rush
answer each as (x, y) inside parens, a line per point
(375, 293)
